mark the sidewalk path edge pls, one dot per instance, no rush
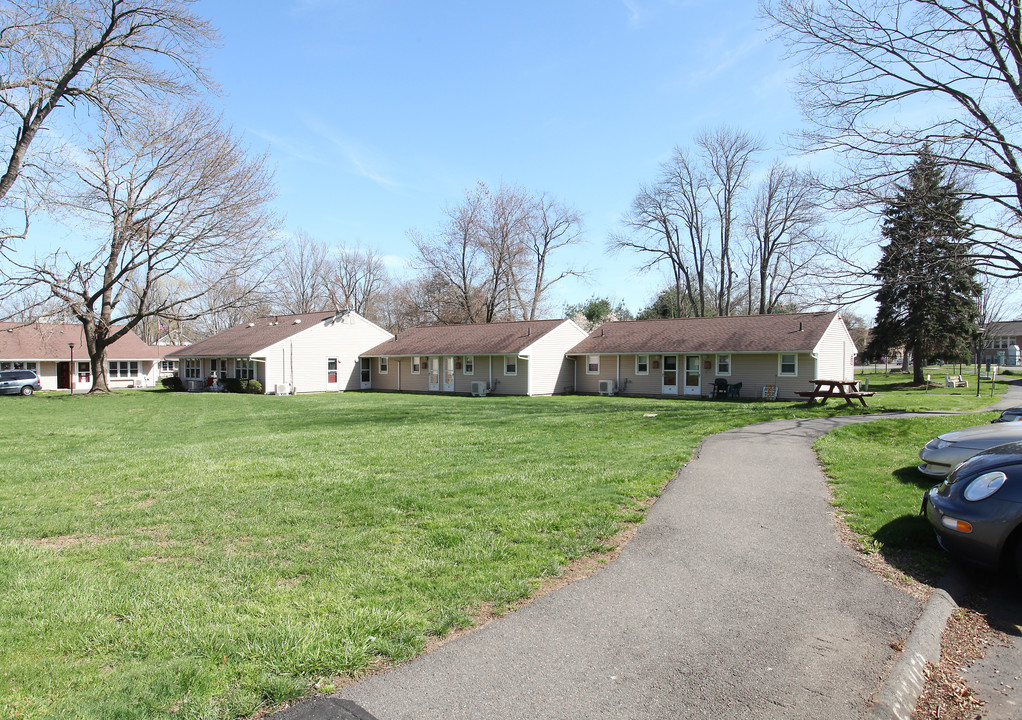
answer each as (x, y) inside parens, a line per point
(897, 698)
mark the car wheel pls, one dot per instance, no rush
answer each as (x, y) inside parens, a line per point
(27, 390)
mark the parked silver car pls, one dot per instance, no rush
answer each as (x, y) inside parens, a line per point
(19, 382)
(944, 453)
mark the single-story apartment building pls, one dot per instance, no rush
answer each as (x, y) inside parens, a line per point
(57, 352)
(771, 356)
(504, 358)
(310, 352)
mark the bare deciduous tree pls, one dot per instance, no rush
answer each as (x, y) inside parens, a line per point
(783, 224)
(552, 225)
(493, 254)
(356, 279)
(728, 155)
(653, 224)
(178, 198)
(299, 277)
(120, 57)
(953, 68)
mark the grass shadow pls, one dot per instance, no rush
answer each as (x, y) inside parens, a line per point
(913, 478)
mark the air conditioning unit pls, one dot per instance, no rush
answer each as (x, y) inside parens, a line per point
(282, 389)
(195, 385)
(608, 387)
(479, 389)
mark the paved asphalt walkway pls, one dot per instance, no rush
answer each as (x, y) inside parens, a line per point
(734, 600)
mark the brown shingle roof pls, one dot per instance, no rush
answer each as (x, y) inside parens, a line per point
(797, 332)
(48, 341)
(503, 338)
(249, 338)
(998, 329)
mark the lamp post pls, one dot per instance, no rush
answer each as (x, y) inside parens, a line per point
(71, 370)
(979, 352)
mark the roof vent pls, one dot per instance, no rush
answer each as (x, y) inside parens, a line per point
(800, 326)
(250, 325)
(298, 321)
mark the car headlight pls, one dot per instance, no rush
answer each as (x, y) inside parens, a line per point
(984, 486)
(938, 444)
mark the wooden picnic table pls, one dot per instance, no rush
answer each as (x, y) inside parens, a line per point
(826, 389)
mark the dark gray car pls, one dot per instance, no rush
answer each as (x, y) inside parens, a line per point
(977, 511)
(19, 382)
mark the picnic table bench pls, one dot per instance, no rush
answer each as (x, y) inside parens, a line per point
(826, 389)
(955, 381)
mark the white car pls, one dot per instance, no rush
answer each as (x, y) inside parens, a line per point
(944, 453)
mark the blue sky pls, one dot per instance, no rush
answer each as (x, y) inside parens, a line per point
(378, 115)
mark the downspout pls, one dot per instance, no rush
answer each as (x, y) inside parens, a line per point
(617, 380)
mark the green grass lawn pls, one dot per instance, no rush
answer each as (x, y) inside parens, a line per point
(208, 555)
(872, 470)
(896, 391)
(182, 555)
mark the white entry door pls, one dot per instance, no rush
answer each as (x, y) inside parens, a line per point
(331, 373)
(670, 375)
(434, 374)
(692, 377)
(448, 374)
(366, 373)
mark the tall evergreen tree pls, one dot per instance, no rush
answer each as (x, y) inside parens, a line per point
(928, 297)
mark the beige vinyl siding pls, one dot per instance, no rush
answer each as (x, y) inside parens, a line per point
(835, 352)
(590, 383)
(758, 370)
(551, 372)
(397, 369)
(651, 384)
(754, 371)
(646, 385)
(509, 384)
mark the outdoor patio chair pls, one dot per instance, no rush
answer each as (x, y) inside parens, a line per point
(719, 388)
(735, 390)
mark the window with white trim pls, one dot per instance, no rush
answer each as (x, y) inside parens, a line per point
(592, 364)
(244, 368)
(470, 365)
(123, 368)
(384, 366)
(787, 364)
(416, 365)
(642, 364)
(193, 369)
(723, 364)
(510, 364)
(168, 365)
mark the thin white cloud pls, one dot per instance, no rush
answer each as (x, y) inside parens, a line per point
(727, 59)
(634, 16)
(356, 155)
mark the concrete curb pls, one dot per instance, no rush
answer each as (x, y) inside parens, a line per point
(899, 694)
